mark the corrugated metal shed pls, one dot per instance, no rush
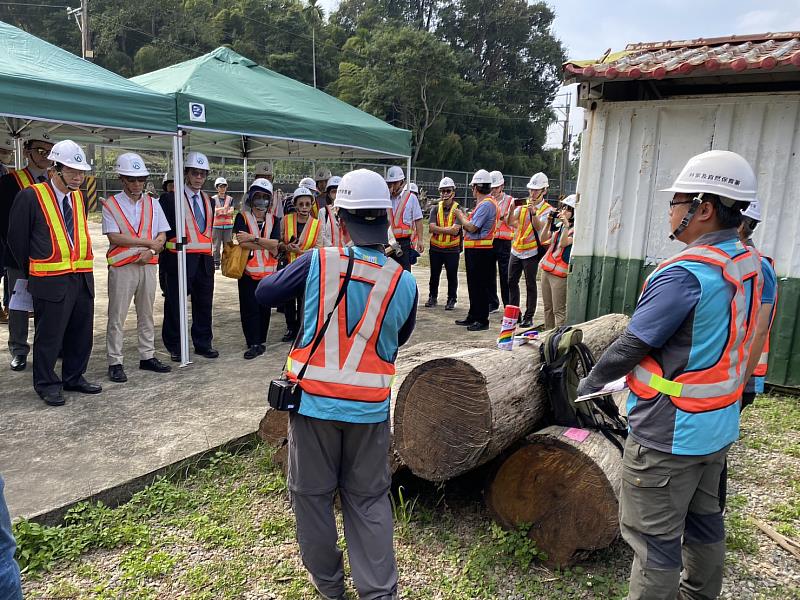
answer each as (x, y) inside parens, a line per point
(631, 148)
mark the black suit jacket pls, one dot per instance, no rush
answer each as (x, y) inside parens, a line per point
(9, 188)
(168, 260)
(29, 237)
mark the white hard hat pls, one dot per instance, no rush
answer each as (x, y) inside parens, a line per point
(719, 172)
(363, 189)
(413, 188)
(570, 200)
(446, 182)
(261, 183)
(37, 134)
(196, 160)
(69, 154)
(263, 168)
(497, 178)
(220, 181)
(307, 182)
(394, 174)
(334, 181)
(323, 173)
(167, 177)
(538, 182)
(481, 176)
(131, 164)
(753, 211)
(302, 191)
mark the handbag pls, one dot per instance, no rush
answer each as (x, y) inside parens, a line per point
(284, 394)
(234, 259)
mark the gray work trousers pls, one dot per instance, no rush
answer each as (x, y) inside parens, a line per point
(17, 320)
(670, 515)
(218, 237)
(352, 457)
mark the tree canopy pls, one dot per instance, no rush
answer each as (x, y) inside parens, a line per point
(473, 80)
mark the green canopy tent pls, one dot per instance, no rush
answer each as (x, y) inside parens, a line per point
(231, 106)
(42, 85)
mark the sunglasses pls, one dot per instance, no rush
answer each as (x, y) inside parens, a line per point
(134, 179)
(197, 173)
(41, 151)
(261, 196)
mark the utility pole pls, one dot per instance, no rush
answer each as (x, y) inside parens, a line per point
(565, 141)
(81, 15)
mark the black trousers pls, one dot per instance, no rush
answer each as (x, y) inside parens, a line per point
(448, 260)
(64, 325)
(502, 253)
(481, 269)
(292, 310)
(405, 244)
(516, 266)
(200, 286)
(255, 318)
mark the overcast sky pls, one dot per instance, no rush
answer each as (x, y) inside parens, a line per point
(587, 28)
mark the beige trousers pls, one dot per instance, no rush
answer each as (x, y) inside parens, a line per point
(554, 299)
(126, 283)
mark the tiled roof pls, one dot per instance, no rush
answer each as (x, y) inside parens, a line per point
(661, 60)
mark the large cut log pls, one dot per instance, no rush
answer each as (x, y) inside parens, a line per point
(564, 483)
(457, 411)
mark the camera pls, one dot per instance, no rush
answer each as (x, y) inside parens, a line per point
(284, 395)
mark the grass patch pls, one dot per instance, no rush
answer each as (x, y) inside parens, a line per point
(740, 533)
(768, 423)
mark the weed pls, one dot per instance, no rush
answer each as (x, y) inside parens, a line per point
(403, 510)
(739, 532)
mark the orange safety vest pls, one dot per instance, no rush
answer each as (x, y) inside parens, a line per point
(346, 364)
(763, 359)
(721, 384)
(261, 263)
(66, 257)
(195, 241)
(445, 240)
(307, 240)
(504, 230)
(117, 256)
(553, 261)
(24, 178)
(399, 227)
(525, 237)
(483, 243)
(339, 237)
(223, 214)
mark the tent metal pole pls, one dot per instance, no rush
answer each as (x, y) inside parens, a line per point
(177, 161)
(409, 178)
(244, 176)
(18, 153)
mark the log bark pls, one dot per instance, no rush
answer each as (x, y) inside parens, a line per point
(564, 483)
(457, 410)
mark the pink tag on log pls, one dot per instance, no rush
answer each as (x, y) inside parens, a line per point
(579, 435)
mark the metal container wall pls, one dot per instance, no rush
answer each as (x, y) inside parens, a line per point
(631, 150)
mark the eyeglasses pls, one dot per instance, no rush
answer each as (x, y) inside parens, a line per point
(134, 179)
(304, 205)
(197, 172)
(674, 203)
(41, 151)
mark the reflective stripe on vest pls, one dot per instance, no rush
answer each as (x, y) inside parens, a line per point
(721, 384)
(339, 237)
(261, 263)
(66, 257)
(307, 240)
(194, 241)
(399, 227)
(223, 215)
(485, 242)
(24, 178)
(504, 231)
(552, 261)
(118, 256)
(763, 359)
(525, 238)
(445, 240)
(346, 364)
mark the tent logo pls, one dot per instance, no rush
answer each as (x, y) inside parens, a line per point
(197, 112)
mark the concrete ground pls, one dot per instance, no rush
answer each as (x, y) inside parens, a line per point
(107, 446)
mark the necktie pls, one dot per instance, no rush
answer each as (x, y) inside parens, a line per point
(198, 213)
(68, 222)
(41, 179)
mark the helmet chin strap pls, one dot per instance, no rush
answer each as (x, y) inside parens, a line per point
(64, 181)
(696, 202)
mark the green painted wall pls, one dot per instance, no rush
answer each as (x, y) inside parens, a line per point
(600, 285)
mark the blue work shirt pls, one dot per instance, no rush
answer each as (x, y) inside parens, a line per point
(683, 315)
(483, 217)
(302, 277)
(769, 295)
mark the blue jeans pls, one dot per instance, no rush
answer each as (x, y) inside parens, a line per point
(10, 586)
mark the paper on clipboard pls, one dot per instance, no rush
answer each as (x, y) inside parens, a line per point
(21, 298)
(617, 385)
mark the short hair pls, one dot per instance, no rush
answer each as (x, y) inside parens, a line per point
(483, 188)
(727, 216)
